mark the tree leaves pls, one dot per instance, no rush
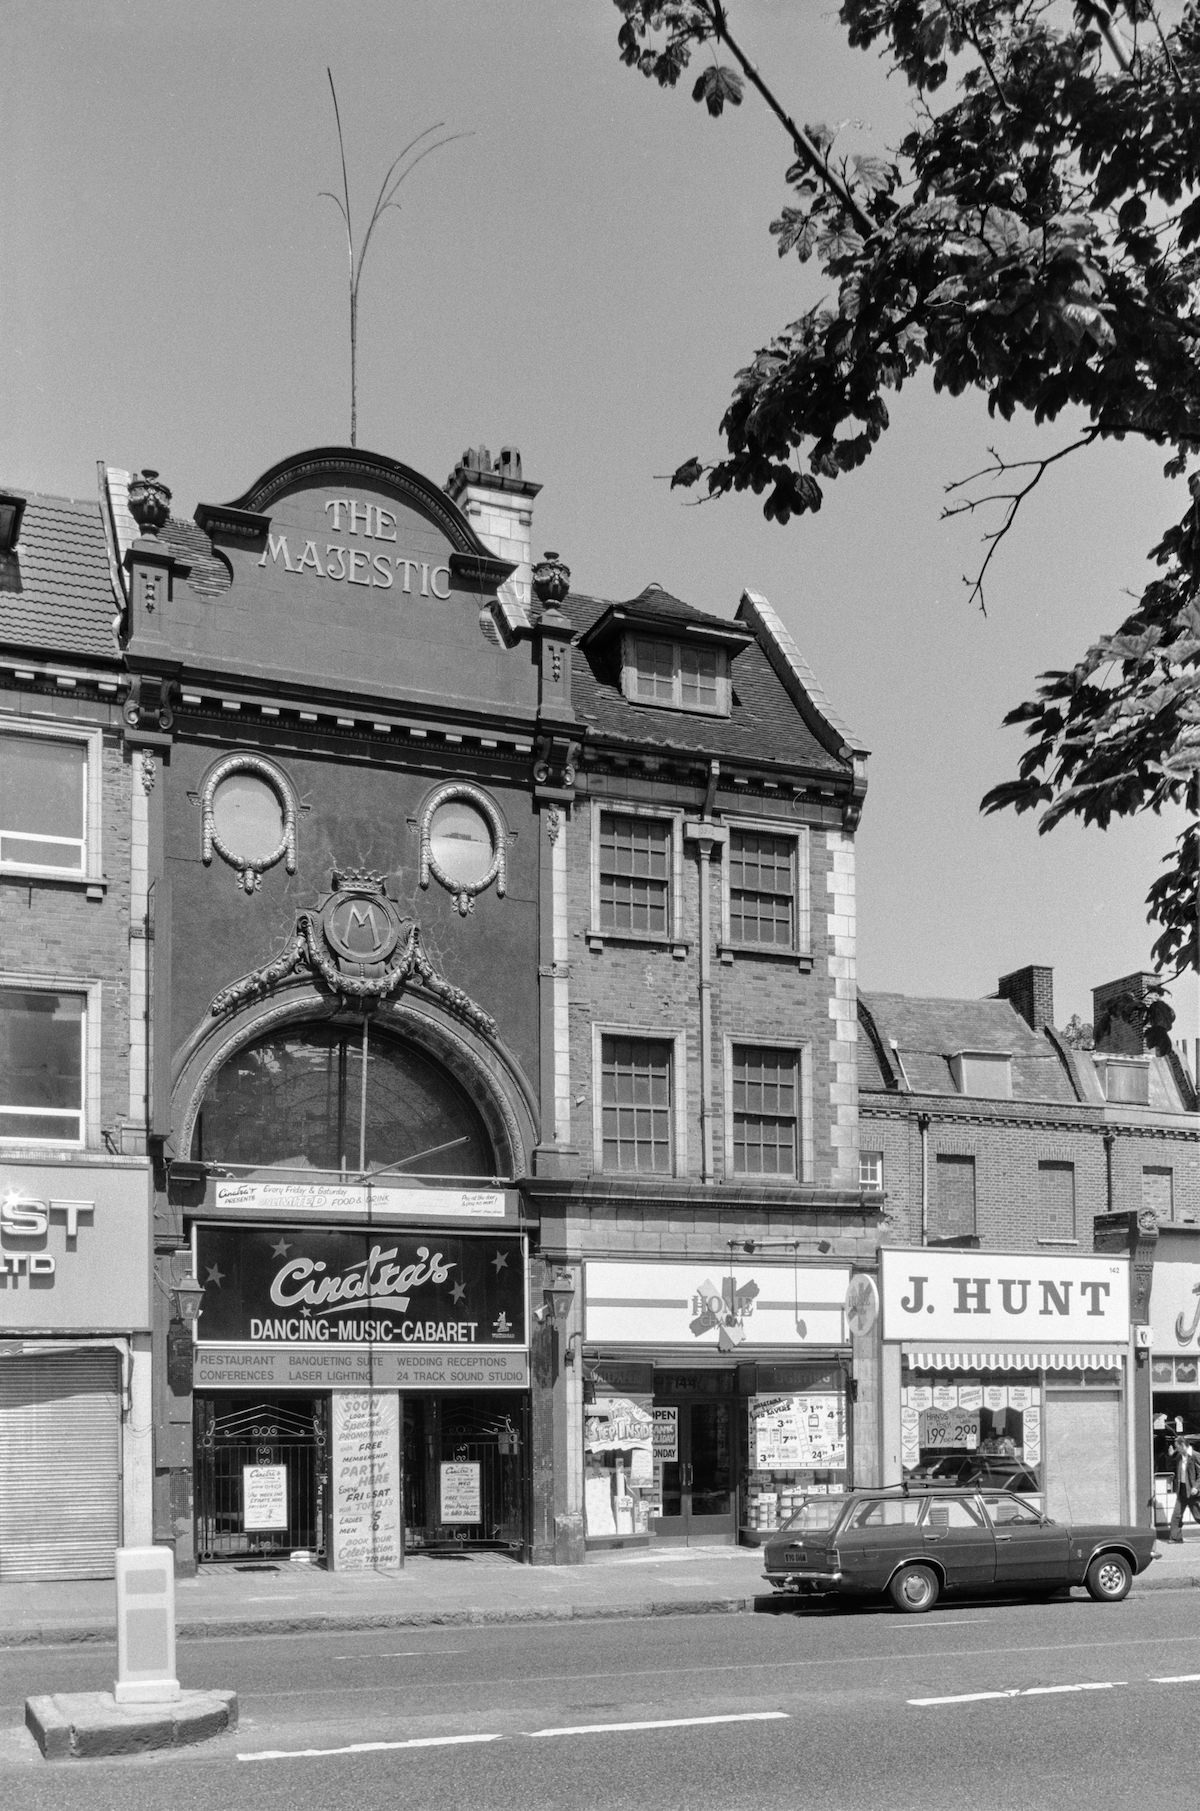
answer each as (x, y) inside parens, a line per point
(716, 86)
(1036, 237)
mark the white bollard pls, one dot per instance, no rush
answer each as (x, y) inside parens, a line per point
(146, 1626)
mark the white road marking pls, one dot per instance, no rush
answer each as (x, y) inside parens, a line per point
(581, 1729)
(1178, 1679)
(967, 1697)
(311, 1754)
(593, 1729)
(1045, 1691)
(403, 1654)
(1023, 1691)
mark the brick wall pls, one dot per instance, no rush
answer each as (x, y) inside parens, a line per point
(51, 929)
(648, 987)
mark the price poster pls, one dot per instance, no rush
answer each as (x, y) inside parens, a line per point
(790, 1433)
(950, 1429)
(264, 1498)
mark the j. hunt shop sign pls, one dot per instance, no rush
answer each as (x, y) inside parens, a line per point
(360, 554)
(1003, 1297)
(384, 1287)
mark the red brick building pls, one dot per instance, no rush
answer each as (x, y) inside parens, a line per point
(990, 1133)
(75, 927)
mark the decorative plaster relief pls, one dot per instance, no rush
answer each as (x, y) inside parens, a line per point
(464, 844)
(250, 863)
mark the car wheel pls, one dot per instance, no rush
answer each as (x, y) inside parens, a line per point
(914, 1588)
(1109, 1577)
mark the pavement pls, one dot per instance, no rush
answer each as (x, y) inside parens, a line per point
(256, 1598)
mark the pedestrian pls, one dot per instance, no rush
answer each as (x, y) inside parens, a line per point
(1186, 1466)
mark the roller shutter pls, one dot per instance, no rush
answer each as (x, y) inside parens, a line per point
(60, 1465)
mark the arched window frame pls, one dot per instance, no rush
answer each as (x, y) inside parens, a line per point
(250, 868)
(465, 893)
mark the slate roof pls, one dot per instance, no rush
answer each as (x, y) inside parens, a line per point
(764, 728)
(56, 594)
(930, 1032)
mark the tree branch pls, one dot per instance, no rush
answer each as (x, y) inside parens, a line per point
(808, 152)
(1001, 468)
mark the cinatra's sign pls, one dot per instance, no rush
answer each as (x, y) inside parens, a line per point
(279, 1287)
(984, 1296)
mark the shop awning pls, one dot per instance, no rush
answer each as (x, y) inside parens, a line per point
(1015, 1358)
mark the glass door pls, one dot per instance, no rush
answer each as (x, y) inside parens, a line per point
(698, 1491)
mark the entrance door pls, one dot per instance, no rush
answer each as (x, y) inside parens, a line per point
(699, 1499)
(261, 1476)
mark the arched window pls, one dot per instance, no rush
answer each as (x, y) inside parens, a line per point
(296, 1098)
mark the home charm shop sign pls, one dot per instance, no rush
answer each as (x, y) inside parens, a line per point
(272, 1288)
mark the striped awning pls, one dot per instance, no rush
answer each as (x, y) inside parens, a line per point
(1015, 1358)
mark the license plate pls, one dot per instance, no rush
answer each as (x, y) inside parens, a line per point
(795, 1556)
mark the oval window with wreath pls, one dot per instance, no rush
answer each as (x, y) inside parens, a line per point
(463, 844)
(249, 817)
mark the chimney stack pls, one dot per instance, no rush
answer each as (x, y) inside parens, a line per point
(1117, 1015)
(498, 502)
(1031, 992)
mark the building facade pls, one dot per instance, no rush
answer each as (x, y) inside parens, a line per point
(500, 1084)
(1030, 1160)
(75, 1279)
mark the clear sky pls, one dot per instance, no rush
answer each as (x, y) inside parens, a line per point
(581, 277)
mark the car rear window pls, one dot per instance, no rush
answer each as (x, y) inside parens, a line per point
(816, 1514)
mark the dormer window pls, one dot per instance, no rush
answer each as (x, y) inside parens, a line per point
(676, 675)
(1126, 1083)
(986, 1074)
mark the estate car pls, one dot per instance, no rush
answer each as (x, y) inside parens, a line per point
(911, 1542)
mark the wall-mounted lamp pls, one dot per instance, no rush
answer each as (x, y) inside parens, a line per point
(557, 1296)
(186, 1297)
(11, 510)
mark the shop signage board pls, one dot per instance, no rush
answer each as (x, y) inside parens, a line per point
(63, 1227)
(364, 1475)
(340, 1368)
(981, 1298)
(370, 1201)
(1175, 1309)
(697, 1304)
(461, 1496)
(264, 1498)
(382, 1289)
(666, 1435)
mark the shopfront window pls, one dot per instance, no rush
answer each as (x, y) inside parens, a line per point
(796, 1442)
(981, 1431)
(299, 1099)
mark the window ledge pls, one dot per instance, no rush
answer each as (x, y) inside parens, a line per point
(678, 946)
(96, 884)
(1064, 1243)
(728, 952)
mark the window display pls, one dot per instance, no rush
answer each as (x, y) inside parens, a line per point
(984, 1431)
(619, 1435)
(796, 1447)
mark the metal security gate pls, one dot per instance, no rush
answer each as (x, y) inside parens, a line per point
(489, 1436)
(261, 1477)
(60, 1465)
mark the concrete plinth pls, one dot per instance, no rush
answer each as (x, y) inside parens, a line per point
(75, 1726)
